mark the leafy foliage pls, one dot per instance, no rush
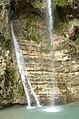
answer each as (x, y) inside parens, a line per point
(4, 43)
(38, 4)
(62, 3)
(30, 32)
(9, 75)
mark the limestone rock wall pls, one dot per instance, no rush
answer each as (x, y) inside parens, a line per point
(10, 84)
(32, 37)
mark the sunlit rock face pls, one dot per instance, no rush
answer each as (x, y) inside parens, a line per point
(38, 59)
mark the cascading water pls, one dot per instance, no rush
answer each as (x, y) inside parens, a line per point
(19, 59)
(38, 104)
(21, 66)
(49, 21)
(51, 44)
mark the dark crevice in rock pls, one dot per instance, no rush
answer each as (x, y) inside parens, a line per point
(25, 8)
(67, 13)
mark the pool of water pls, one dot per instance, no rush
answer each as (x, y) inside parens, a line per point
(58, 112)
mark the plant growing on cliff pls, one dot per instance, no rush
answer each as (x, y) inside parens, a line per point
(4, 43)
(9, 75)
(30, 32)
(62, 3)
(40, 4)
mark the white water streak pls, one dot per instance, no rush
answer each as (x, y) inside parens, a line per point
(51, 44)
(20, 61)
(49, 20)
(38, 104)
(21, 66)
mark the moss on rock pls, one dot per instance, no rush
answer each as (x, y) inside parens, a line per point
(62, 3)
(38, 4)
(4, 42)
(30, 29)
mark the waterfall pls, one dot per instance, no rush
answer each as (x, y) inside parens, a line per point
(20, 61)
(49, 21)
(21, 66)
(38, 104)
(51, 44)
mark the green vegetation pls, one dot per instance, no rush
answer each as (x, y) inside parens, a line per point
(9, 75)
(30, 32)
(4, 43)
(38, 4)
(21, 90)
(62, 3)
(61, 27)
(42, 4)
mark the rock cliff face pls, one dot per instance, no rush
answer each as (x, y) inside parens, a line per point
(31, 31)
(10, 84)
